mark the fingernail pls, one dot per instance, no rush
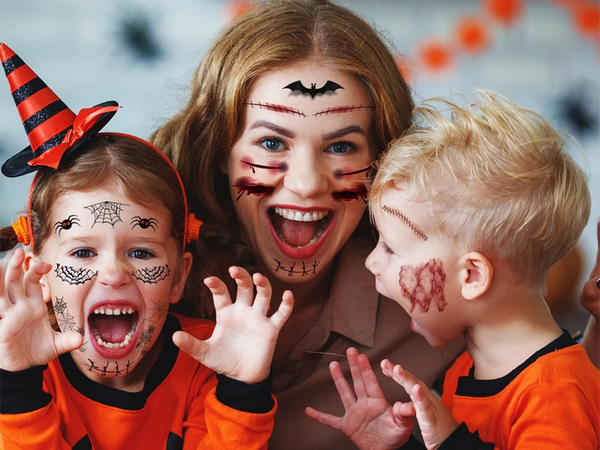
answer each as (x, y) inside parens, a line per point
(598, 282)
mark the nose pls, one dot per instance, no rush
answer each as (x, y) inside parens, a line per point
(371, 263)
(307, 176)
(114, 273)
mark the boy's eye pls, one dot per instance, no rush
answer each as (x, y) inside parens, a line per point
(139, 253)
(83, 253)
(272, 144)
(341, 148)
(386, 248)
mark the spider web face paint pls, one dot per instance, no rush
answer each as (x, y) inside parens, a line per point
(106, 212)
(145, 339)
(423, 285)
(66, 224)
(152, 275)
(73, 275)
(144, 223)
(293, 270)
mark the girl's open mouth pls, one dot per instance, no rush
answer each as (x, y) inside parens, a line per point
(113, 329)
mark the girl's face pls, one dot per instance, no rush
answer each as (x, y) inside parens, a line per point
(298, 167)
(414, 265)
(116, 270)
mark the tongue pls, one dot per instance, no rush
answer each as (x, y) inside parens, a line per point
(112, 328)
(297, 234)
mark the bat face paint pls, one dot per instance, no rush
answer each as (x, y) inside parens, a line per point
(113, 284)
(297, 168)
(297, 86)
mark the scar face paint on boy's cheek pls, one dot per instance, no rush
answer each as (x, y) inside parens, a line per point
(298, 88)
(142, 222)
(249, 187)
(275, 108)
(424, 284)
(67, 223)
(104, 370)
(74, 275)
(152, 275)
(273, 167)
(106, 212)
(293, 270)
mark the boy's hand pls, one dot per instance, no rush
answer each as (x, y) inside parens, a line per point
(435, 421)
(243, 341)
(26, 337)
(368, 420)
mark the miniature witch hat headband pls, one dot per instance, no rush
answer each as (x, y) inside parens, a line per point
(53, 130)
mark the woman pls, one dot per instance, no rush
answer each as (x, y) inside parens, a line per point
(287, 111)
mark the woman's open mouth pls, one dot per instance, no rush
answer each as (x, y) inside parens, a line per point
(113, 329)
(299, 234)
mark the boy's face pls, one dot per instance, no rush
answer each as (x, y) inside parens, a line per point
(115, 272)
(413, 265)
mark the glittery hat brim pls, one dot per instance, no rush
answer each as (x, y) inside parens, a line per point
(17, 165)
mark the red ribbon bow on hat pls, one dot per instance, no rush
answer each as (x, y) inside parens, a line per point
(85, 120)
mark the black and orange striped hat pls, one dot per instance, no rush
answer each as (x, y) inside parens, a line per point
(52, 128)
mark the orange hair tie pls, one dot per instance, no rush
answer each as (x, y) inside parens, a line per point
(193, 229)
(22, 230)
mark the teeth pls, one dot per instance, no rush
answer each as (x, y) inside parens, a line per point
(298, 216)
(115, 311)
(125, 342)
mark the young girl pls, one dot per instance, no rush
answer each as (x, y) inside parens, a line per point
(108, 231)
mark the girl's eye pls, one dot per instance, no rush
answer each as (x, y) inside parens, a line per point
(83, 253)
(341, 148)
(139, 253)
(272, 144)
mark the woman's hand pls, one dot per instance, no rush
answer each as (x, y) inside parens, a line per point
(368, 419)
(26, 337)
(243, 341)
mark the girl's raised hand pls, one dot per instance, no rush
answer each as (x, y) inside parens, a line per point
(26, 337)
(243, 341)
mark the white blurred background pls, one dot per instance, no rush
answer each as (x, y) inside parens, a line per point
(542, 54)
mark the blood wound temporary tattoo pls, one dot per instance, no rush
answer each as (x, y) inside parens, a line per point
(66, 224)
(104, 370)
(144, 223)
(106, 212)
(145, 339)
(74, 275)
(280, 168)
(293, 270)
(275, 108)
(351, 194)
(339, 173)
(342, 110)
(313, 90)
(246, 186)
(424, 284)
(152, 275)
(405, 219)
(66, 321)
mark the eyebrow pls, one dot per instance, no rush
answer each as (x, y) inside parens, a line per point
(406, 220)
(275, 108)
(271, 126)
(342, 132)
(342, 109)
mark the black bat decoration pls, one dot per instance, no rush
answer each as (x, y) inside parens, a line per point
(313, 91)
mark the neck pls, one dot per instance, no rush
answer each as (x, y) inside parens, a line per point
(518, 327)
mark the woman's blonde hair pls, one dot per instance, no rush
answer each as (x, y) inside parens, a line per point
(273, 35)
(500, 180)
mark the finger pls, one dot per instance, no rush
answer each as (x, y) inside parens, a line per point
(401, 410)
(189, 344)
(387, 368)
(67, 342)
(284, 311)
(245, 287)
(357, 381)
(404, 378)
(219, 292)
(12, 279)
(324, 419)
(263, 293)
(31, 280)
(341, 384)
(369, 378)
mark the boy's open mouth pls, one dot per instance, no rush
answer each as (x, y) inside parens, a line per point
(297, 228)
(113, 327)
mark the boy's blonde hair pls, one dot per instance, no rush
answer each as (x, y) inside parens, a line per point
(499, 178)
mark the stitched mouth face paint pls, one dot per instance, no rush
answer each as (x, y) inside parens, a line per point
(66, 224)
(293, 270)
(423, 285)
(405, 219)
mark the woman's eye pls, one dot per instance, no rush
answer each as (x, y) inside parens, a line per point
(140, 254)
(83, 253)
(272, 144)
(341, 148)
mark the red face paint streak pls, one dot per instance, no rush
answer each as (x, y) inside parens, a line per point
(274, 167)
(275, 108)
(359, 192)
(342, 109)
(339, 173)
(246, 186)
(424, 284)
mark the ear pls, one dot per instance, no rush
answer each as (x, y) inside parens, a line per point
(223, 165)
(43, 282)
(182, 274)
(476, 274)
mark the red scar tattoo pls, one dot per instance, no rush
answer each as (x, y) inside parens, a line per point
(342, 109)
(247, 186)
(275, 108)
(280, 168)
(424, 284)
(338, 173)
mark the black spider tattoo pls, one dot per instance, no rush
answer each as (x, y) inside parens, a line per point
(141, 222)
(74, 275)
(66, 224)
(152, 275)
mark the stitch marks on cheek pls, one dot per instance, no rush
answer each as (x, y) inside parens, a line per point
(424, 284)
(74, 275)
(245, 185)
(152, 275)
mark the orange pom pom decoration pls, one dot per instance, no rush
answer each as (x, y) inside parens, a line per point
(472, 35)
(435, 55)
(587, 19)
(238, 8)
(193, 229)
(504, 11)
(22, 230)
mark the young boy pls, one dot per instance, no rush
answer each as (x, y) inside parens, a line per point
(472, 211)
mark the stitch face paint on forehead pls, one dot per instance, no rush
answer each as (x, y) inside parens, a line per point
(405, 219)
(290, 159)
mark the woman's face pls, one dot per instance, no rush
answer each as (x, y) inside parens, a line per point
(297, 170)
